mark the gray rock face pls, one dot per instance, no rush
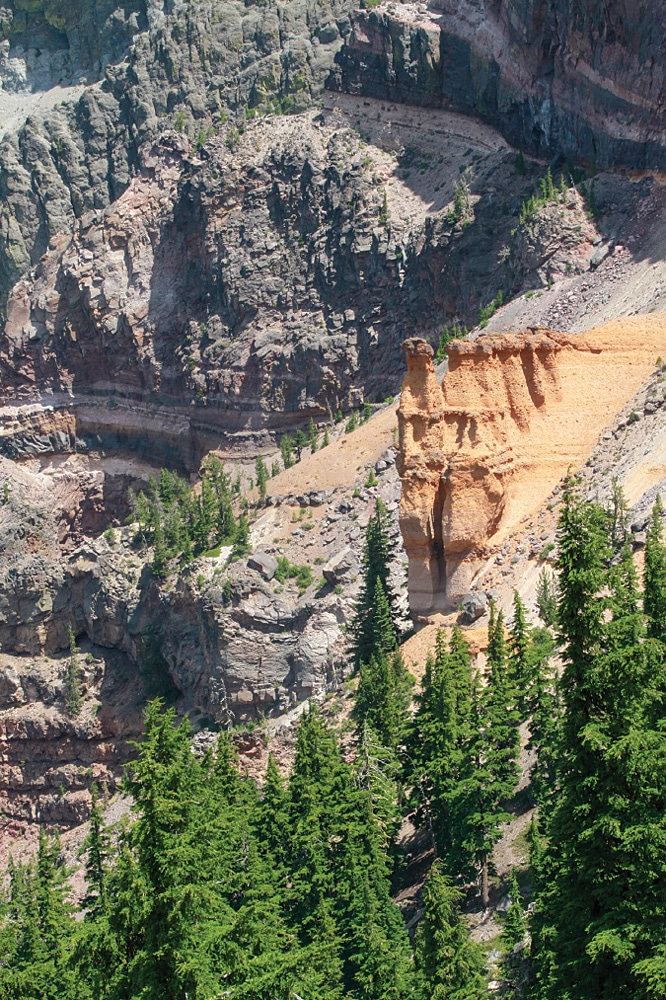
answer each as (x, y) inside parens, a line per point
(159, 65)
(341, 568)
(264, 563)
(558, 78)
(229, 658)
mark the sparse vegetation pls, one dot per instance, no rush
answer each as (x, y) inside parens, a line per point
(73, 677)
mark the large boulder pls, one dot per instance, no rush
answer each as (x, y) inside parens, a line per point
(264, 563)
(341, 568)
(474, 606)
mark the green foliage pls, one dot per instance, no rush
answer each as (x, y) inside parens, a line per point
(486, 312)
(546, 597)
(301, 574)
(351, 424)
(300, 442)
(374, 629)
(241, 545)
(547, 193)
(384, 693)
(462, 203)
(312, 436)
(73, 677)
(654, 599)
(599, 922)
(325, 440)
(179, 521)
(262, 476)
(449, 333)
(384, 214)
(448, 962)
(287, 450)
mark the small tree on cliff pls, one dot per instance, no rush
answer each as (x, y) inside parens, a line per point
(73, 677)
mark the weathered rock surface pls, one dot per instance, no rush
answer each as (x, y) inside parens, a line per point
(580, 80)
(160, 63)
(485, 448)
(231, 293)
(341, 568)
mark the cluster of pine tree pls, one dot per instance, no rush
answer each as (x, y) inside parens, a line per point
(219, 889)
(181, 522)
(599, 930)
(465, 740)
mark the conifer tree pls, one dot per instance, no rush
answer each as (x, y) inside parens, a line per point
(312, 436)
(543, 709)
(448, 962)
(654, 599)
(546, 598)
(287, 450)
(73, 677)
(262, 476)
(300, 442)
(375, 613)
(515, 924)
(492, 760)
(325, 440)
(519, 645)
(599, 923)
(441, 747)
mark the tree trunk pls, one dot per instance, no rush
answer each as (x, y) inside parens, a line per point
(485, 896)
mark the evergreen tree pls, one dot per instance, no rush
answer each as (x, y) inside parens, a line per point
(599, 923)
(287, 450)
(96, 900)
(449, 963)
(262, 476)
(241, 538)
(515, 924)
(376, 609)
(492, 756)
(519, 645)
(384, 690)
(73, 677)
(654, 599)
(543, 709)
(312, 436)
(300, 442)
(546, 598)
(444, 732)
(325, 440)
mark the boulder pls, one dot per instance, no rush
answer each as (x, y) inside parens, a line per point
(263, 563)
(341, 567)
(474, 607)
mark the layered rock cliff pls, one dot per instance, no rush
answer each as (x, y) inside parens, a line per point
(484, 449)
(574, 78)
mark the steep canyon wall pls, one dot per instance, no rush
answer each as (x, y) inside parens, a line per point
(579, 79)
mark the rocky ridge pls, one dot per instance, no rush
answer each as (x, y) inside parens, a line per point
(234, 291)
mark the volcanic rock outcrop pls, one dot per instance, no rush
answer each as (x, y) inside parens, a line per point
(578, 79)
(485, 448)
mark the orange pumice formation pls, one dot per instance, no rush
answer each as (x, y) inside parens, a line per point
(513, 414)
